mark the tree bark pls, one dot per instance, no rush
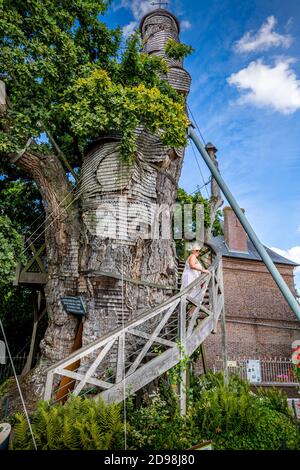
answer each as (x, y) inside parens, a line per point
(62, 232)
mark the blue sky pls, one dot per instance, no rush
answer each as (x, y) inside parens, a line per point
(245, 96)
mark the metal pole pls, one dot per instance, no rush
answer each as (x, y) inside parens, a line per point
(247, 227)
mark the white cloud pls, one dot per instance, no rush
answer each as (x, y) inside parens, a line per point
(129, 29)
(265, 86)
(139, 8)
(264, 39)
(185, 25)
(294, 255)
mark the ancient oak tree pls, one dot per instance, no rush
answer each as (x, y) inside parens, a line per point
(100, 129)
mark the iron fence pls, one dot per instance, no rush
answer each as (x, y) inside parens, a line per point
(273, 371)
(6, 370)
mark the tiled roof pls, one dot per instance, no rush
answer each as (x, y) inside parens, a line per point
(252, 253)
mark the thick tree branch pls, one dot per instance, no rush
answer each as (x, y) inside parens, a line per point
(50, 177)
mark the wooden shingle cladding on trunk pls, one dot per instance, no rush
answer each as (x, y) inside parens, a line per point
(180, 79)
(157, 28)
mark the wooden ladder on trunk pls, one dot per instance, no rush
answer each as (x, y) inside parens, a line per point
(126, 359)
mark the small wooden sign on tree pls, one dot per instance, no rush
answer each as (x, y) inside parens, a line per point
(74, 305)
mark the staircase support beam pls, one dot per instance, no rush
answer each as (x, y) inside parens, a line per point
(157, 366)
(224, 346)
(183, 372)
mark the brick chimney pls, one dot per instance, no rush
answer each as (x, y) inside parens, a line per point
(234, 234)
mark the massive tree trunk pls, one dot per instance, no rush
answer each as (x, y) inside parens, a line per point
(120, 225)
(121, 207)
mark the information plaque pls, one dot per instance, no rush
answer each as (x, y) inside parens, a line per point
(74, 305)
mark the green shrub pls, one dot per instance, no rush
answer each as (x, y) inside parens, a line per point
(150, 425)
(5, 386)
(81, 423)
(275, 400)
(157, 426)
(236, 418)
(221, 410)
(232, 417)
(200, 384)
(274, 431)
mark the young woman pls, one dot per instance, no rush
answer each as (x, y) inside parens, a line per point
(193, 269)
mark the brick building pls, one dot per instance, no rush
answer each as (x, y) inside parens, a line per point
(259, 321)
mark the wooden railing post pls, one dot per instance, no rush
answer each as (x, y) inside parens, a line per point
(224, 346)
(182, 337)
(49, 386)
(212, 297)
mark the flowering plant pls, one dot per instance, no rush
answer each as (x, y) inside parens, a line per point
(282, 378)
(296, 362)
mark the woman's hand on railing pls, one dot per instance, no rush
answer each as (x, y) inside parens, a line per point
(205, 271)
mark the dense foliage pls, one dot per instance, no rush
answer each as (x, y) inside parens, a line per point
(196, 199)
(21, 213)
(66, 76)
(20, 201)
(178, 51)
(80, 424)
(232, 417)
(11, 250)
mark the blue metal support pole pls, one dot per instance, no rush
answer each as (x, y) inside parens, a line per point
(287, 294)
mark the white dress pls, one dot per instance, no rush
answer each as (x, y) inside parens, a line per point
(188, 276)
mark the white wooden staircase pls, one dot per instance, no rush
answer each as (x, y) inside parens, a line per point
(126, 359)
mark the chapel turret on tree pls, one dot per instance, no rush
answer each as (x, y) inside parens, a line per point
(119, 209)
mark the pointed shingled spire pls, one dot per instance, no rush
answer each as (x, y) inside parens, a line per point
(157, 28)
